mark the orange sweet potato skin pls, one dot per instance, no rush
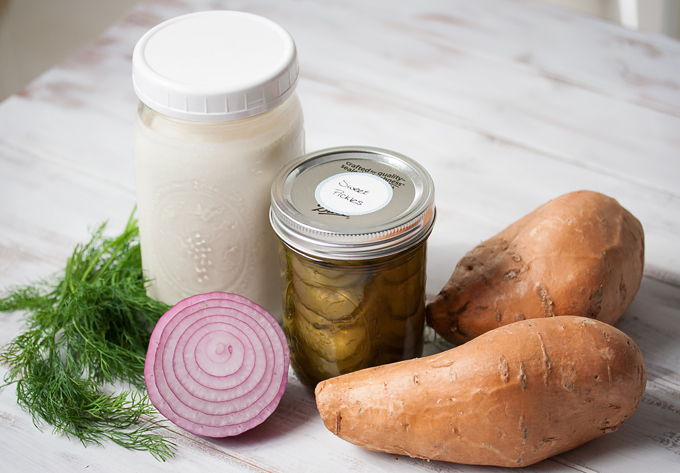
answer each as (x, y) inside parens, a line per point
(579, 254)
(512, 397)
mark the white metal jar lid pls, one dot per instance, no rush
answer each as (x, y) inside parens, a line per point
(352, 203)
(215, 66)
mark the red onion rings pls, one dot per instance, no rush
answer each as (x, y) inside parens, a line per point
(217, 364)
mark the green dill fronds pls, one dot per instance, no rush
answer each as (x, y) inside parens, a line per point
(88, 329)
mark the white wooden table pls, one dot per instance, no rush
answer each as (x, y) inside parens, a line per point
(507, 104)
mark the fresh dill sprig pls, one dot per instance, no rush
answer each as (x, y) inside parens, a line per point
(88, 329)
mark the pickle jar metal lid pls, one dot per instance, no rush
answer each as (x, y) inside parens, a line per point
(352, 203)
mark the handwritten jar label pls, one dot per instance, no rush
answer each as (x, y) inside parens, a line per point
(353, 193)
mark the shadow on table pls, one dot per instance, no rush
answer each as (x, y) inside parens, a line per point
(653, 322)
(652, 429)
(296, 409)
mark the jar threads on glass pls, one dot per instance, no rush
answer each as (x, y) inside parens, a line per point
(353, 224)
(218, 118)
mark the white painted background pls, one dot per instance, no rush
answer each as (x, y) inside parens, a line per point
(508, 103)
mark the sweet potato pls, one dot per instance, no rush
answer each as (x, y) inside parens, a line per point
(512, 397)
(579, 254)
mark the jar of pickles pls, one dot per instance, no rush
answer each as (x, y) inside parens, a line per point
(352, 225)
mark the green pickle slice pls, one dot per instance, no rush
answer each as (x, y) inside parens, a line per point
(329, 302)
(402, 300)
(319, 275)
(406, 266)
(341, 316)
(335, 343)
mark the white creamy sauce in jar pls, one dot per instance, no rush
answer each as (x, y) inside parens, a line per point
(204, 225)
(206, 154)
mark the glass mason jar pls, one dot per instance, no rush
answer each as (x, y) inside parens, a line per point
(218, 118)
(353, 225)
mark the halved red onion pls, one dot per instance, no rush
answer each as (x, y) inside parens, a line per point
(217, 364)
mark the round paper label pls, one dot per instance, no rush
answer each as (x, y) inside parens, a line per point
(353, 193)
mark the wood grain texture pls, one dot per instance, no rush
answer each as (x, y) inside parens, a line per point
(507, 103)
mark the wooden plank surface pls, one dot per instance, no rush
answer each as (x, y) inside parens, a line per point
(507, 103)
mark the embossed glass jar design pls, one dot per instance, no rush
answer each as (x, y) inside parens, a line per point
(218, 118)
(353, 225)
